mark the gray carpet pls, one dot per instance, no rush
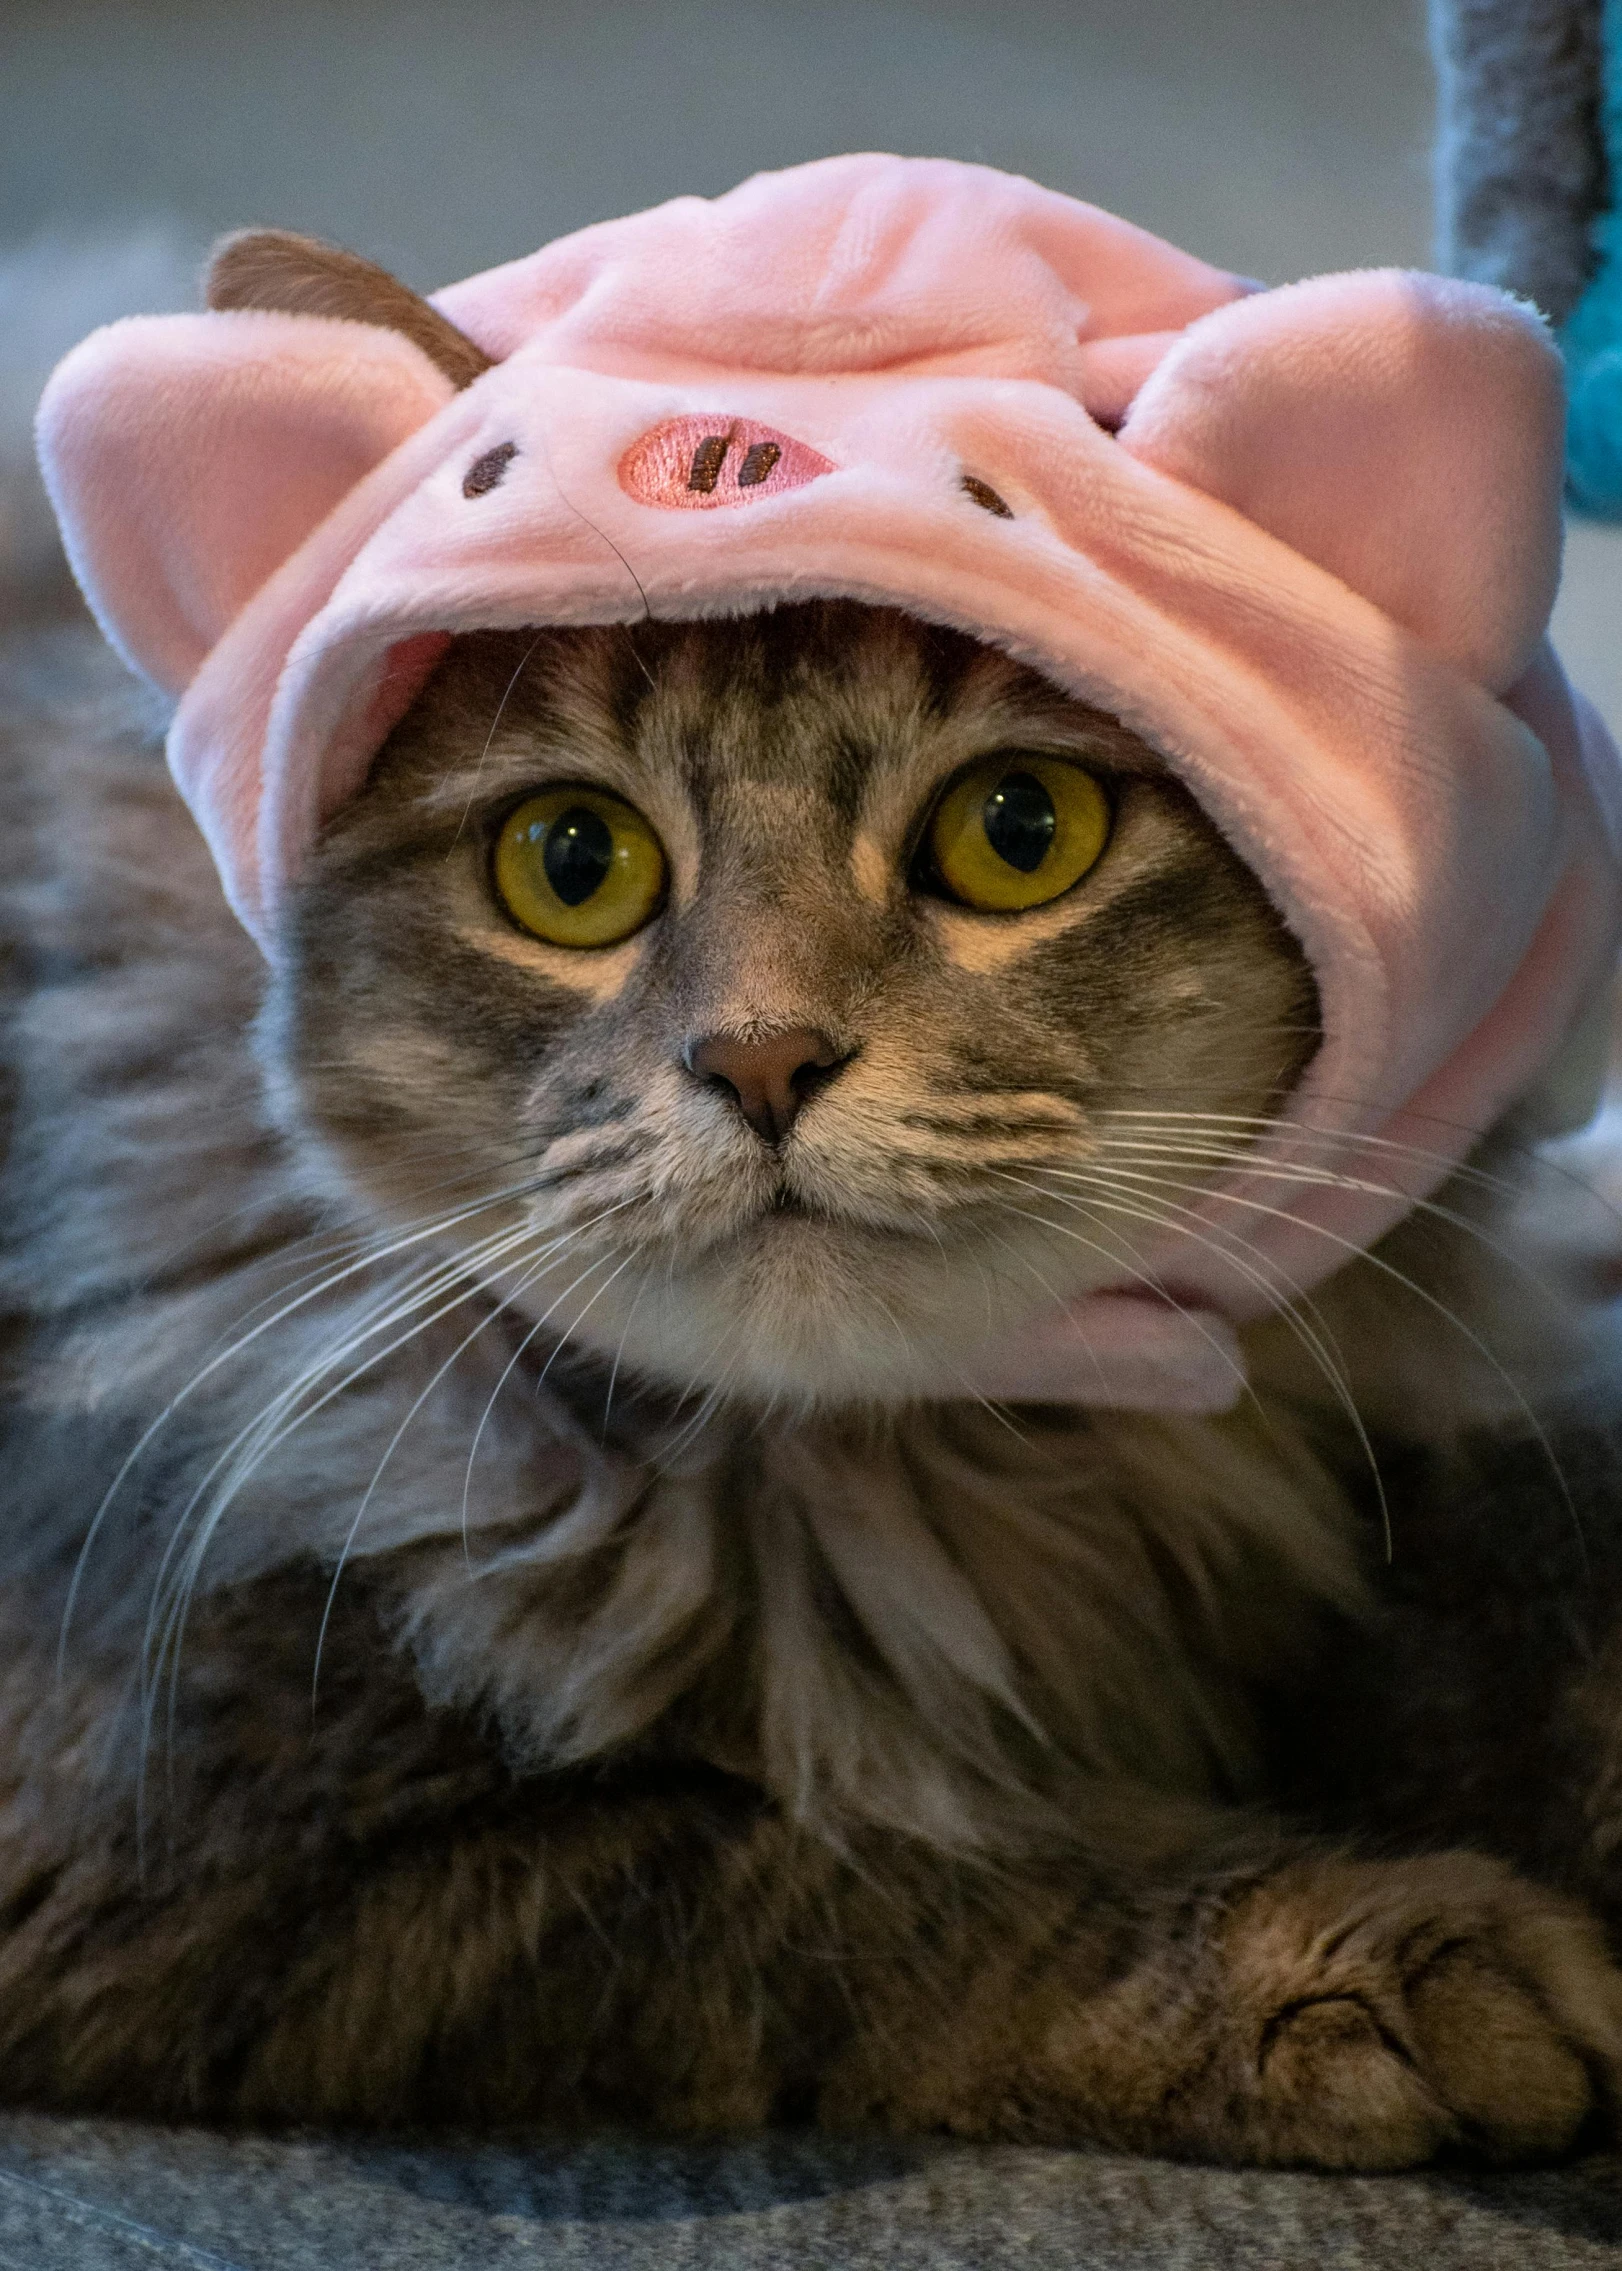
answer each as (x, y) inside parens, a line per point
(103, 2196)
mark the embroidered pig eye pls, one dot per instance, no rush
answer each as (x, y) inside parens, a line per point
(1016, 831)
(489, 472)
(985, 496)
(579, 867)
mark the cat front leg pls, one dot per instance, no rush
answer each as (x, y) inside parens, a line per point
(1330, 2012)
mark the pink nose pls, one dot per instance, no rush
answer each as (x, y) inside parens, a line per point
(769, 1079)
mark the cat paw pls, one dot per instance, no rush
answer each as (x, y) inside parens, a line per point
(1370, 2015)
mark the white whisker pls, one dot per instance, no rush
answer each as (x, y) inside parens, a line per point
(525, 1279)
(1288, 1301)
(388, 1245)
(619, 1356)
(1351, 1250)
(290, 1410)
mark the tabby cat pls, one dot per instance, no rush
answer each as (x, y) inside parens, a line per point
(501, 1623)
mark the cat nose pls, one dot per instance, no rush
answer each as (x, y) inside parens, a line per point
(770, 1079)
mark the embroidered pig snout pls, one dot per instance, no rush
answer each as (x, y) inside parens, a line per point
(696, 464)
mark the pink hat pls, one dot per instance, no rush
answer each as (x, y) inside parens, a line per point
(1306, 541)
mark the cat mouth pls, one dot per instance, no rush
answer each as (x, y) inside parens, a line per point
(787, 1206)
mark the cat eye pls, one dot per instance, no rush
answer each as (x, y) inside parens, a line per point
(1015, 831)
(579, 867)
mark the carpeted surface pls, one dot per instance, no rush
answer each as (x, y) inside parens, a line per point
(105, 2196)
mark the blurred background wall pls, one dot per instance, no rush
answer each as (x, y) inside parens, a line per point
(1277, 137)
(442, 135)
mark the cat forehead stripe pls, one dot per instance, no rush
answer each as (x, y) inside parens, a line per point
(698, 463)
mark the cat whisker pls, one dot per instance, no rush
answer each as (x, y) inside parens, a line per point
(1257, 1125)
(1288, 1301)
(1144, 1170)
(1449, 1316)
(181, 1562)
(1139, 1270)
(707, 1409)
(584, 1311)
(1133, 1183)
(619, 1357)
(373, 1254)
(999, 1411)
(985, 1288)
(526, 1278)
(1222, 1165)
(252, 1442)
(363, 1249)
(1468, 1173)
(288, 1411)
(218, 1230)
(1146, 1175)
(458, 1276)
(896, 1325)
(507, 1372)
(1285, 1298)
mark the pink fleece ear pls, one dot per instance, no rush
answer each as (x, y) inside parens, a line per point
(1404, 432)
(189, 455)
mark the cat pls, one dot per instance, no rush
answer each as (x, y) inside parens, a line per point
(502, 1624)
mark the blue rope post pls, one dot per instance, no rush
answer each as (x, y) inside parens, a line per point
(1592, 336)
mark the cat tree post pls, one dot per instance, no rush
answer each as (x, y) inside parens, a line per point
(1528, 162)
(1520, 161)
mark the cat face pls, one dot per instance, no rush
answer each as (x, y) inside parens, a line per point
(837, 1107)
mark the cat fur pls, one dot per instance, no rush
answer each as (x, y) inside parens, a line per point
(1044, 1774)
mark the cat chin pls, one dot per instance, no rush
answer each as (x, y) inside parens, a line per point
(808, 1313)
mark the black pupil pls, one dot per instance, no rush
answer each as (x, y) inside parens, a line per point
(578, 853)
(1019, 821)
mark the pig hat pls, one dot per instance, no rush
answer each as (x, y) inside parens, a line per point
(1305, 541)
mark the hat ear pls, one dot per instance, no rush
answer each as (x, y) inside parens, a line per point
(189, 456)
(1403, 431)
(297, 275)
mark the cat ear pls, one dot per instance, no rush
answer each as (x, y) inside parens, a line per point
(189, 456)
(1403, 431)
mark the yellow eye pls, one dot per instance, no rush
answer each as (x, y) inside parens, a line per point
(1015, 831)
(579, 867)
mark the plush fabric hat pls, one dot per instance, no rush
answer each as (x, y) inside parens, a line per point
(1305, 540)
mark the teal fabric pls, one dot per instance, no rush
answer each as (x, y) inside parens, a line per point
(108, 2196)
(1592, 337)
